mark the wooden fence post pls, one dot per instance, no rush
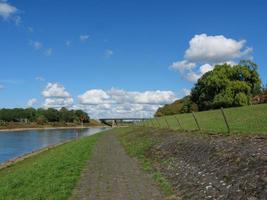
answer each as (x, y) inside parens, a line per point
(158, 122)
(196, 120)
(176, 117)
(225, 120)
(168, 126)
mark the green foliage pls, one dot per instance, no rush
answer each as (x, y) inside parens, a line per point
(49, 175)
(184, 105)
(227, 86)
(42, 116)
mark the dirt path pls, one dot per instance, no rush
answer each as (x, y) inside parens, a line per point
(112, 174)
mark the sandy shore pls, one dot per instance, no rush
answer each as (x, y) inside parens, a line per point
(49, 128)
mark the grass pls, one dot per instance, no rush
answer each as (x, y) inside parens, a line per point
(136, 145)
(49, 175)
(247, 119)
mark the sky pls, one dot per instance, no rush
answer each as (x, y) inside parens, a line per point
(121, 58)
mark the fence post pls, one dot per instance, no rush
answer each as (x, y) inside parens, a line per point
(155, 124)
(168, 126)
(225, 120)
(196, 120)
(176, 117)
(152, 122)
(158, 122)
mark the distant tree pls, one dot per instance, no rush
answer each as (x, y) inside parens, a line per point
(183, 105)
(82, 116)
(227, 86)
(52, 115)
(66, 115)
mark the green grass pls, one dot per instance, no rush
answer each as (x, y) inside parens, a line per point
(49, 175)
(247, 119)
(136, 143)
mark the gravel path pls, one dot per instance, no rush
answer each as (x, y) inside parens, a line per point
(112, 174)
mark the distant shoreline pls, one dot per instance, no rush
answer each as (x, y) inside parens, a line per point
(49, 128)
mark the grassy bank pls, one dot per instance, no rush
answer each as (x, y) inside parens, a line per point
(136, 145)
(247, 119)
(49, 175)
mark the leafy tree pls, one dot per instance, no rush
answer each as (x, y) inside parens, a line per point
(227, 86)
(183, 105)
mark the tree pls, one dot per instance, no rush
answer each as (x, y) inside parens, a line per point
(227, 86)
(52, 115)
(184, 105)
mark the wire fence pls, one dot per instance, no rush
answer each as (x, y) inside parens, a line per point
(250, 119)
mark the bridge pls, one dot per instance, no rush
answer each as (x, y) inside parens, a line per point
(115, 121)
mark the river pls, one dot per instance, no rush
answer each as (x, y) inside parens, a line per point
(18, 143)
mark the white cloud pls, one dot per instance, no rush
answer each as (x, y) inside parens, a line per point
(49, 52)
(31, 102)
(7, 10)
(183, 66)
(2, 86)
(56, 96)
(92, 97)
(186, 91)
(108, 53)
(215, 49)
(84, 38)
(121, 103)
(58, 102)
(55, 90)
(205, 52)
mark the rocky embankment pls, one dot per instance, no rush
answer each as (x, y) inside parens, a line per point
(202, 166)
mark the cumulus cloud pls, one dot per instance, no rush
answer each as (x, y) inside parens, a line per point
(121, 103)
(92, 97)
(31, 102)
(7, 10)
(58, 102)
(55, 90)
(108, 103)
(84, 38)
(206, 51)
(215, 49)
(56, 96)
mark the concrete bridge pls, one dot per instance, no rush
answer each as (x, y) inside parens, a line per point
(116, 121)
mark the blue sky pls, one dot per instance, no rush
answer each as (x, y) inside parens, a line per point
(105, 56)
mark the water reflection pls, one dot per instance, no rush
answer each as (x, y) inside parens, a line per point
(17, 143)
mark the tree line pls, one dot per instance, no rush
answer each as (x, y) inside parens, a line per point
(42, 116)
(225, 86)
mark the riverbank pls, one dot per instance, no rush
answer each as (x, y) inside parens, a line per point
(50, 128)
(51, 174)
(13, 126)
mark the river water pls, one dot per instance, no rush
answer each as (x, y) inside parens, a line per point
(18, 143)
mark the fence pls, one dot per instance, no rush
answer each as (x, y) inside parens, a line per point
(251, 119)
